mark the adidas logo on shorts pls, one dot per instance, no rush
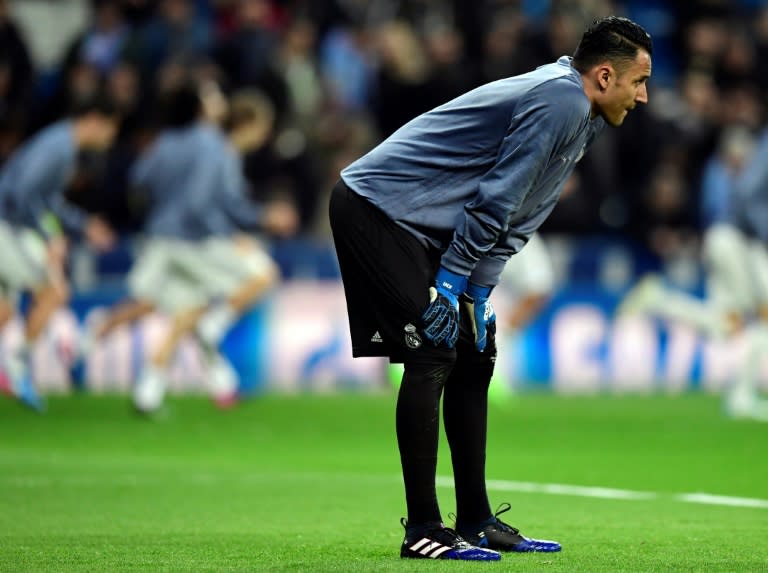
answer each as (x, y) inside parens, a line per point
(376, 337)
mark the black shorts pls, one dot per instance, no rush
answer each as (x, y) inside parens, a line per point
(387, 273)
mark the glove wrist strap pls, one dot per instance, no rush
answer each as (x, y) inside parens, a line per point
(451, 282)
(475, 291)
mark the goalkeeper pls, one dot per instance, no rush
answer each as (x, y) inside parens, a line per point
(423, 225)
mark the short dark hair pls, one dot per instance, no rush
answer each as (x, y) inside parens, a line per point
(611, 38)
(181, 105)
(99, 103)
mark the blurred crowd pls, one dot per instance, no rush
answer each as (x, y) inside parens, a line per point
(331, 78)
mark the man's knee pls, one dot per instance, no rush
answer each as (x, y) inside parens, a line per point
(471, 364)
(468, 352)
(432, 366)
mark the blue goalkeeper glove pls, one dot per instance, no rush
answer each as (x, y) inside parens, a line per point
(482, 313)
(441, 318)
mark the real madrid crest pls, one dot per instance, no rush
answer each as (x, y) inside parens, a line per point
(412, 338)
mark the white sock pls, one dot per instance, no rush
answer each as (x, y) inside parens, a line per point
(18, 360)
(17, 366)
(23, 349)
(222, 377)
(86, 343)
(215, 323)
(679, 306)
(757, 349)
(150, 388)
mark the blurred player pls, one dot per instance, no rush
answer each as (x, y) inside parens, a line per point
(736, 264)
(211, 271)
(35, 220)
(423, 226)
(528, 279)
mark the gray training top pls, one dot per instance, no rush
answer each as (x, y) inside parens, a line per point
(478, 175)
(748, 201)
(195, 185)
(33, 181)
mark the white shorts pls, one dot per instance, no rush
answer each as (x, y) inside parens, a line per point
(530, 272)
(737, 269)
(23, 261)
(178, 275)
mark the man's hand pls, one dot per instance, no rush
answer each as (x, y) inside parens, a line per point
(482, 313)
(281, 218)
(441, 318)
(99, 234)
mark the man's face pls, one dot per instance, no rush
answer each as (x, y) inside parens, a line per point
(624, 88)
(103, 133)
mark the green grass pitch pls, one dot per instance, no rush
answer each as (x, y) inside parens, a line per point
(297, 484)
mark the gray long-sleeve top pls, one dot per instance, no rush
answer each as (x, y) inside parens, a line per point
(195, 185)
(748, 201)
(33, 181)
(478, 175)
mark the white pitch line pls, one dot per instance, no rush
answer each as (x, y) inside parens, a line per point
(558, 489)
(709, 499)
(213, 479)
(582, 491)
(612, 493)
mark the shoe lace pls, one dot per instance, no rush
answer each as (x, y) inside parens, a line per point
(503, 508)
(445, 535)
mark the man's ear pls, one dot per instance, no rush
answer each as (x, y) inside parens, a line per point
(603, 75)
